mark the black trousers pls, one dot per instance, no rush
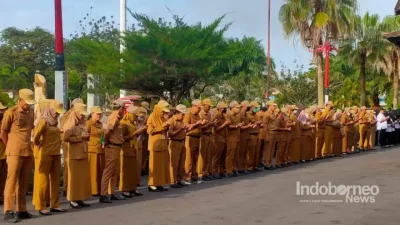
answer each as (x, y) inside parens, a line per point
(382, 138)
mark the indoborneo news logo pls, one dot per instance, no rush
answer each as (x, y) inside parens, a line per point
(351, 193)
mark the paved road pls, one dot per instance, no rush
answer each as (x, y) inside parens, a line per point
(262, 198)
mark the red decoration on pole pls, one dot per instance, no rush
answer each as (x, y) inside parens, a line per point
(59, 29)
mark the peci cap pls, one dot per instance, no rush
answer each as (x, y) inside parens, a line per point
(196, 102)
(181, 108)
(254, 104)
(76, 100)
(81, 108)
(208, 102)
(234, 104)
(245, 104)
(57, 105)
(2, 106)
(28, 96)
(145, 105)
(96, 109)
(222, 105)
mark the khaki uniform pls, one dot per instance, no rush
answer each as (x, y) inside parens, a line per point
(204, 162)
(112, 155)
(64, 146)
(49, 164)
(96, 155)
(306, 142)
(192, 145)
(128, 170)
(372, 132)
(220, 137)
(233, 138)
(270, 123)
(295, 149)
(337, 138)
(3, 167)
(283, 137)
(364, 130)
(320, 122)
(262, 139)
(348, 139)
(241, 154)
(327, 149)
(18, 124)
(177, 151)
(253, 143)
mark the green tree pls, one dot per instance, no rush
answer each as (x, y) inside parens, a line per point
(317, 20)
(13, 79)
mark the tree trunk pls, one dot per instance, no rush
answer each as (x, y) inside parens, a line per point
(396, 82)
(362, 78)
(320, 77)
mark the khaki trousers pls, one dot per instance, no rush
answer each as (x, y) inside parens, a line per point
(271, 147)
(65, 162)
(177, 154)
(192, 145)
(320, 143)
(232, 148)
(204, 160)
(218, 160)
(49, 170)
(327, 149)
(111, 170)
(19, 169)
(3, 177)
(253, 152)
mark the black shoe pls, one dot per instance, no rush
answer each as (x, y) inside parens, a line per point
(257, 170)
(1, 202)
(65, 193)
(211, 178)
(144, 173)
(182, 184)
(238, 173)
(77, 206)
(268, 168)
(95, 196)
(44, 213)
(136, 193)
(104, 199)
(161, 188)
(279, 166)
(217, 177)
(24, 215)
(151, 189)
(231, 175)
(11, 217)
(58, 210)
(223, 175)
(82, 204)
(175, 186)
(205, 178)
(127, 195)
(29, 193)
(117, 197)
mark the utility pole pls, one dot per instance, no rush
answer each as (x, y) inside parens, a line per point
(269, 52)
(122, 30)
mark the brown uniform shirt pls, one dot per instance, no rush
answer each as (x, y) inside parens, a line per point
(233, 134)
(220, 136)
(296, 127)
(176, 125)
(245, 134)
(114, 130)
(128, 147)
(96, 131)
(2, 146)
(253, 118)
(77, 146)
(270, 121)
(206, 116)
(191, 118)
(48, 137)
(18, 124)
(319, 117)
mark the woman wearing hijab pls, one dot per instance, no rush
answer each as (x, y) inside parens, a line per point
(337, 134)
(76, 136)
(96, 155)
(48, 143)
(158, 147)
(43, 104)
(129, 176)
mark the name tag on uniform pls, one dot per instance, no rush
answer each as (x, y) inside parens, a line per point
(163, 137)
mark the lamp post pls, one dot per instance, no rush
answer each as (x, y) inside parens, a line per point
(326, 49)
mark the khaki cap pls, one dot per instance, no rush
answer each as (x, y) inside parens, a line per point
(96, 109)
(181, 108)
(145, 105)
(2, 106)
(347, 109)
(363, 108)
(118, 103)
(132, 109)
(28, 96)
(329, 103)
(43, 103)
(57, 105)
(271, 103)
(141, 111)
(254, 104)
(285, 111)
(292, 107)
(207, 101)
(76, 100)
(81, 108)
(245, 104)
(354, 108)
(320, 107)
(163, 104)
(222, 105)
(196, 102)
(339, 111)
(234, 104)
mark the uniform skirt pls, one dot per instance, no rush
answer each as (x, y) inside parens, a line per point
(97, 163)
(129, 176)
(79, 187)
(159, 174)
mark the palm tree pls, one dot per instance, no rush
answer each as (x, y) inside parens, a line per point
(14, 80)
(316, 20)
(369, 48)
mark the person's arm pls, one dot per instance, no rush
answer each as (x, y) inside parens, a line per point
(6, 126)
(224, 125)
(38, 132)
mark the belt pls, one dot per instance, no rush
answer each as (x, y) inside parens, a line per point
(254, 134)
(207, 134)
(194, 136)
(113, 144)
(178, 140)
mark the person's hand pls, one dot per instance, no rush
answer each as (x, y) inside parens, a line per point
(166, 125)
(228, 122)
(86, 136)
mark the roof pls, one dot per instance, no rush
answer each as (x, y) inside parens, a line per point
(393, 37)
(397, 8)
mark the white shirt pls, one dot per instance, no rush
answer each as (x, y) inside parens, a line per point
(381, 125)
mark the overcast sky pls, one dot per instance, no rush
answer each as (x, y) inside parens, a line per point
(249, 16)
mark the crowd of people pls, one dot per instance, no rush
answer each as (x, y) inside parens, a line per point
(178, 146)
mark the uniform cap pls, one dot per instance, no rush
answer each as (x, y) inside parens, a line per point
(141, 111)
(292, 107)
(254, 104)
(285, 111)
(245, 104)
(347, 109)
(164, 105)
(362, 108)
(181, 108)
(271, 103)
(234, 104)
(132, 109)
(339, 111)
(145, 105)
(207, 101)
(57, 105)
(96, 109)
(354, 108)
(277, 110)
(196, 102)
(28, 96)
(43, 103)
(118, 103)
(222, 105)
(81, 108)
(76, 100)
(329, 103)
(320, 106)
(2, 106)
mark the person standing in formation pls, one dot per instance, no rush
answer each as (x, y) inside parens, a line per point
(220, 138)
(17, 125)
(253, 145)
(204, 160)
(233, 137)
(3, 163)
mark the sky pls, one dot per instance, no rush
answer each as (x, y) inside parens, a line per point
(249, 17)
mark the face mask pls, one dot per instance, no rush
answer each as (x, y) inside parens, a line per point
(295, 111)
(224, 110)
(248, 109)
(140, 119)
(256, 110)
